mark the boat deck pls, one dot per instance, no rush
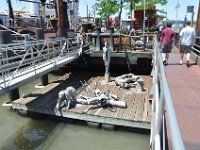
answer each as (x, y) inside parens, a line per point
(137, 114)
(184, 87)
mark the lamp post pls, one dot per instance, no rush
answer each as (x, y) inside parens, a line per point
(131, 10)
(144, 39)
(144, 17)
(177, 7)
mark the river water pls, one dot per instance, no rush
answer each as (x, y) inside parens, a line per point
(22, 133)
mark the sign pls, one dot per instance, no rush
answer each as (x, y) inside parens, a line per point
(190, 9)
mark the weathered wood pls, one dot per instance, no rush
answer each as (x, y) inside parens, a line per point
(44, 101)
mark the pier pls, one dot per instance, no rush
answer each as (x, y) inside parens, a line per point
(105, 73)
(136, 115)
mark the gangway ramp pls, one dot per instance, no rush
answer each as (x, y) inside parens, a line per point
(23, 62)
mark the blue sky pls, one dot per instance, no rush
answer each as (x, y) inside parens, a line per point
(82, 9)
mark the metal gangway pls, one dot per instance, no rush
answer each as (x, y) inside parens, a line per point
(163, 109)
(24, 60)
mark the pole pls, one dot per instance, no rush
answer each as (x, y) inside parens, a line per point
(131, 8)
(144, 17)
(63, 22)
(59, 12)
(87, 13)
(43, 15)
(11, 15)
(176, 18)
(94, 12)
(40, 36)
(192, 19)
(144, 39)
(185, 20)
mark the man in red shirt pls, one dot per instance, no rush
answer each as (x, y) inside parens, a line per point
(167, 38)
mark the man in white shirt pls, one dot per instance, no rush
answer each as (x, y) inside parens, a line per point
(186, 42)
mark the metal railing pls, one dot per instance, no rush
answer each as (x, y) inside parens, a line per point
(196, 46)
(162, 101)
(27, 58)
(121, 41)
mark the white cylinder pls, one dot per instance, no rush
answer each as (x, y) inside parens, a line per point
(35, 8)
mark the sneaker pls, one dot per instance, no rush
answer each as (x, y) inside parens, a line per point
(181, 62)
(188, 65)
(164, 62)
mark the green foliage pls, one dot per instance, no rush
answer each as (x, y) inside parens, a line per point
(150, 4)
(106, 8)
(160, 14)
(139, 5)
(150, 29)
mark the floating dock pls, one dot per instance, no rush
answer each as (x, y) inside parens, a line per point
(136, 115)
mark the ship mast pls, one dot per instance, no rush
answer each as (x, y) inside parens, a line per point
(11, 15)
(63, 23)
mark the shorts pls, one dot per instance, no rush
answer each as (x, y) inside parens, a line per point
(185, 48)
(167, 48)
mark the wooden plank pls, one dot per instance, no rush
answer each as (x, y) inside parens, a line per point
(140, 107)
(144, 118)
(119, 116)
(92, 118)
(130, 115)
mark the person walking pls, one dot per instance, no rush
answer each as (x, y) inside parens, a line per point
(186, 42)
(167, 39)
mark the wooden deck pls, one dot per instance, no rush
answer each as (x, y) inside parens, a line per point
(185, 89)
(137, 114)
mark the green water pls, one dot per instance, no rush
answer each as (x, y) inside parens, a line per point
(21, 133)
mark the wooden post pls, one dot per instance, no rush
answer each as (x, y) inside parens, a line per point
(98, 41)
(63, 70)
(14, 94)
(40, 36)
(111, 38)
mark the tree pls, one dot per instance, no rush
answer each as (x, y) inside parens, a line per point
(139, 5)
(120, 13)
(149, 3)
(158, 14)
(106, 8)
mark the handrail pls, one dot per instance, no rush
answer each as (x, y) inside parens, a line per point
(23, 35)
(197, 37)
(51, 54)
(163, 99)
(196, 46)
